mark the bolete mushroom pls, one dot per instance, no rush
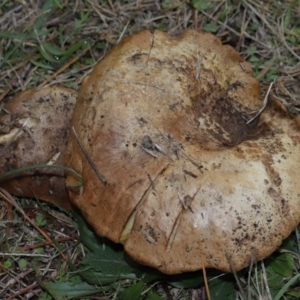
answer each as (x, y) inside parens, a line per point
(177, 158)
(34, 129)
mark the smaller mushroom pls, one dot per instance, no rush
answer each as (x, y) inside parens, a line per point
(34, 129)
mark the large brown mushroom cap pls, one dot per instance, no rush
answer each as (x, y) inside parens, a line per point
(34, 130)
(166, 121)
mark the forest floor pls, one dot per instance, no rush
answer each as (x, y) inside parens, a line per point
(44, 43)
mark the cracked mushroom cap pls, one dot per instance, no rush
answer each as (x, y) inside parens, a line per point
(177, 163)
(34, 129)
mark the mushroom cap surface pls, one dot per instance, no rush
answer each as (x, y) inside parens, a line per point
(165, 120)
(34, 130)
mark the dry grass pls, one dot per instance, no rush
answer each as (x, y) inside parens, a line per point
(50, 42)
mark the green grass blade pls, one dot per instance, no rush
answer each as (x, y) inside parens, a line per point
(35, 167)
(74, 48)
(40, 65)
(12, 35)
(66, 290)
(54, 50)
(47, 56)
(49, 7)
(11, 52)
(286, 286)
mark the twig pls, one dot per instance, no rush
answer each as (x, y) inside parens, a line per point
(27, 289)
(13, 202)
(182, 201)
(23, 254)
(15, 135)
(38, 245)
(204, 270)
(123, 31)
(161, 150)
(264, 276)
(66, 66)
(283, 39)
(234, 31)
(92, 164)
(148, 151)
(249, 278)
(264, 104)
(9, 210)
(235, 275)
(198, 64)
(14, 280)
(167, 291)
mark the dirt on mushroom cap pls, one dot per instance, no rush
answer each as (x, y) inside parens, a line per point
(164, 119)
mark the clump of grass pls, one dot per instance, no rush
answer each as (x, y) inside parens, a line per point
(58, 42)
